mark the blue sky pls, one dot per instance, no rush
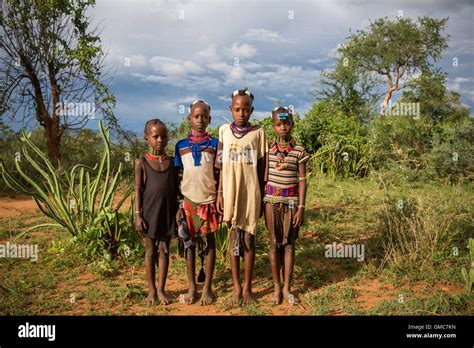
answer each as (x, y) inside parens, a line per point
(169, 53)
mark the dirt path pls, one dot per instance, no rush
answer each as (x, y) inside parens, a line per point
(16, 206)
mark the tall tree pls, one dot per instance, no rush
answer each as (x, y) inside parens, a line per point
(396, 49)
(436, 101)
(350, 87)
(51, 67)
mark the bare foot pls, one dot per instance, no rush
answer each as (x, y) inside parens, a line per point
(289, 297)
(207, 296)
(190, 297)
(248, 298)
(163, 299)
(151, 298)
(236, 298)
(277, 296)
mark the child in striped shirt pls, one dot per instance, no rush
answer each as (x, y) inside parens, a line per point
(285, 194)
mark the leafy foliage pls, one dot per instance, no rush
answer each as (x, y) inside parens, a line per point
(395, 49)
(336, 140)
(80, 201)
(399, 141)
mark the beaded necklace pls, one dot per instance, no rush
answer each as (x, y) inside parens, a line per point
(238, 131)
(151, 155)
(281, 155)
(198, 141)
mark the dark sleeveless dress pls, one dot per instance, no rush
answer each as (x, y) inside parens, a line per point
(159, 201)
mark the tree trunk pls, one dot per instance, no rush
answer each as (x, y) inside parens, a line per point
(388, 96)
(52, 133)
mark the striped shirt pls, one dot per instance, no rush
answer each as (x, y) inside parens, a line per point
(282, 184)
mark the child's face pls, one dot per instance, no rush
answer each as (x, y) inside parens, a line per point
(241, 109)
(157, 137)
(199, 117)
(282, 127)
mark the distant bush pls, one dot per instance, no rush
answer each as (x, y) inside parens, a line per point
(452, 156)
(337, 141)
(422, 149)
(399, 141)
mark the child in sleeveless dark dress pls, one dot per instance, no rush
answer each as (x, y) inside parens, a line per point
(156, 192)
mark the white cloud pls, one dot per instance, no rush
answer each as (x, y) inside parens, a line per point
(317, 61)
(195, 55)
(264, 35)
(248, 65)
(209, 54)
(174, 67)
(463, 79)
(242, 51)
(333, 52)
(469, 94)
(225, 98)
(220, 67)
(138, 61)
(236, 75)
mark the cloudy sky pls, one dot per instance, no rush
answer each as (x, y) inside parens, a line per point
(169, 53)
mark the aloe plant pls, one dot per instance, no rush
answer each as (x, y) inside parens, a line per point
(336, 159)
(73, 199)
(468, 275)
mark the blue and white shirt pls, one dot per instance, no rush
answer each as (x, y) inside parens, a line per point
(197, 162)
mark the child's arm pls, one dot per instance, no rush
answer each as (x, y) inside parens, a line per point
(265, 176)
(218, 178)
(261, 171)
(299, 216)
(178, 172)
(179, 177)
(140, 224)
(218, 167)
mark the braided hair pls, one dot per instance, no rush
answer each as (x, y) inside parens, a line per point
(154, 121)
(244, 92)
(281, 110)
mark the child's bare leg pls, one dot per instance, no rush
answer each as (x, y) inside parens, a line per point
(273, 253)
(249, 259)
(235, 267)
(289, 262)
(163, 262)
(190, 297)
(275, 266)
(150, 256)
(207, 295)
(282, 268)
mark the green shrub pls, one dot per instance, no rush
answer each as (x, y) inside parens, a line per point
(337, 141)
(452, 156)
(399, 141)
(80, 201)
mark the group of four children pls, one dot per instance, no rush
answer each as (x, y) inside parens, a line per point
(234, 179)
